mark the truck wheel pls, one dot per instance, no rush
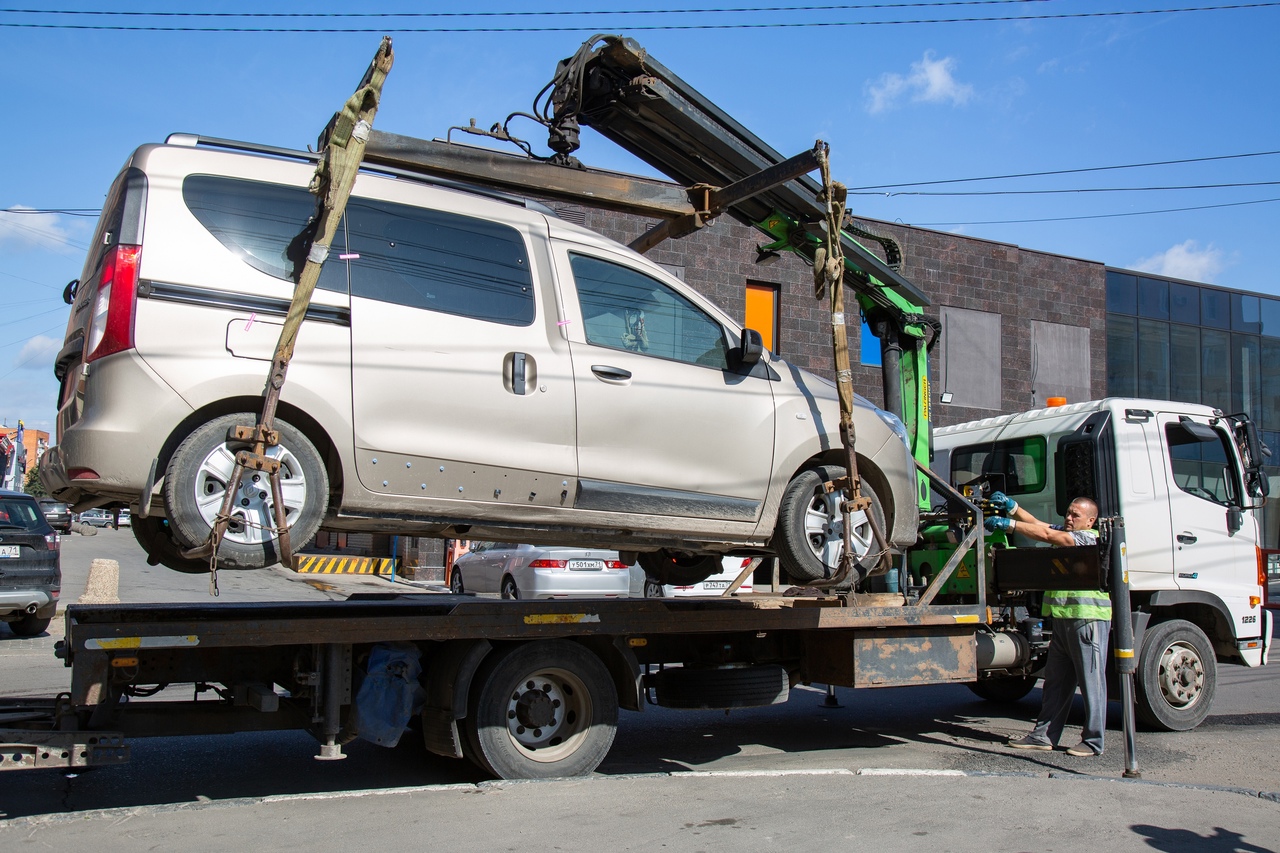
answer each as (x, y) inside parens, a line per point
(678, 569)
(456, 586)
(153, 535)
(810, 530)
(509, 589)
(1177, 676)
(721, 687)
(1004, 691)
(30, 625)
(197, 479)
(542, 710)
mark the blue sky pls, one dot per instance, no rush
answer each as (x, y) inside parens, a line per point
(899, 103)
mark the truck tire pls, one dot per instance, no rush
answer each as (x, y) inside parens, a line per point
(1177, 676)
(721, 687)
(541, 710)
(197, 478)
(809, 534)
(1003, 691)
(678, 569)
(30, 625)
(153, 535)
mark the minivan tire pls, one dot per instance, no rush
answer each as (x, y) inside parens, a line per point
(808, 542)
(152, 533)
(677, 569)
(195, 485)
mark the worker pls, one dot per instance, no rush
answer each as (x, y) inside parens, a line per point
(1081, 629)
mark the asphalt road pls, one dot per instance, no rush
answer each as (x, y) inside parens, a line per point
(682, 779)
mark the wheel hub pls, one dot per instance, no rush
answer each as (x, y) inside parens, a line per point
(252, 506)
(545, 712)
(1181, 676)
(535, 709)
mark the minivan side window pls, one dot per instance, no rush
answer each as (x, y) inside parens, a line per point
(625, 309)
(257, 221)
(439, 261)
(1015, 466)
(1201, 468)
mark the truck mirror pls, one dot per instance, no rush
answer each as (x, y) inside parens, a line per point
(1259, 485)
(752, 347)
(1235, 520)
(1198, 431)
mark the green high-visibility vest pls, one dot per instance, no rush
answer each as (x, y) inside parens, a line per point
(1077, 603)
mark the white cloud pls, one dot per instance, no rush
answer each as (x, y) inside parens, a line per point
(1185, 260)
(931, 80)
(26, 230)
(37, 354)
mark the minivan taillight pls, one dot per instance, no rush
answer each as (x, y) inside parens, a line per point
(111, 326)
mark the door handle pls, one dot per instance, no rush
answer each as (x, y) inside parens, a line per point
(615, 374)
(517, 373)
(1187, 538)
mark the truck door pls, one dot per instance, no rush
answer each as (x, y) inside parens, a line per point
(456, 359)
(664, 426)
(1205, 489)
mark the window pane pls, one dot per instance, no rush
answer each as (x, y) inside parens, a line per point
(1184, 304)
(1215, 309)
(258, 222)
(1122, 293)
(439, 261)
(870, 346)
(625, 309)
(1246, 384)
(1184, 363)
(1153, 298)
(1122, 356)
(1270, 314)
(1268, 413)
(1153, 359)
(1244, 313)
(1200, 468)
(1015, 467)
(1215, 369)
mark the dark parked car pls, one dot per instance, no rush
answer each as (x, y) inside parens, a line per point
(30, 565)
(57, 512)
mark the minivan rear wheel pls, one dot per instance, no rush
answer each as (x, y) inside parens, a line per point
(196, 483)
(677, 568)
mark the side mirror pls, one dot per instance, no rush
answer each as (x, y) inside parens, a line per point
(1235, 520)
(752, 347)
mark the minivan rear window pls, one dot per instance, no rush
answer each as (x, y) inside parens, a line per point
(439, 261)
(257, 221)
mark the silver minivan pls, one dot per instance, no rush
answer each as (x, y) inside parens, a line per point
(471, 366)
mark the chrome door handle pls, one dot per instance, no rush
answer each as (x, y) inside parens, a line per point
(1186, 538)
(604, 371)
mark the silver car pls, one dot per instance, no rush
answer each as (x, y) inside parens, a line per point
(531, 571)
(470, 365)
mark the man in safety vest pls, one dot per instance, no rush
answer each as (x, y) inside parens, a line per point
(1081, 629)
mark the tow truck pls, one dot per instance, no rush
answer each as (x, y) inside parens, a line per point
(532, 689)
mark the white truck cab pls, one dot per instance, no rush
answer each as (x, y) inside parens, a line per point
(1187, 480)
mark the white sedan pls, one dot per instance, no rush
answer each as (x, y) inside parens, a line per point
(532, 571)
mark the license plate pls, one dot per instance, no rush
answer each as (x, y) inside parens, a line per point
(715, 584)
(586, 565)
(10, 550)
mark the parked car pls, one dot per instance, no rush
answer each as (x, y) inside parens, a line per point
(57, 513)
(532, 571)
(96, 518)
(730, 568)
(30, 565)
(573, 368)
(123, 519)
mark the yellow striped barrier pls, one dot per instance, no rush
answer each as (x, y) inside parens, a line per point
(325, 564)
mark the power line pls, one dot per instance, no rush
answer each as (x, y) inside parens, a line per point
(595, 27)
(65, 211)
(518, 14)
(1096, 216)
(1079, 190)
(1068, 171)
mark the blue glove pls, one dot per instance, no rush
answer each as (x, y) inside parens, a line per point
(996, 523)
(1003, 503)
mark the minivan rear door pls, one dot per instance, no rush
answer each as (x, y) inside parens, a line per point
(461, 385)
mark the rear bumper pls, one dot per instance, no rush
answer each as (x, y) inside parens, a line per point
(127, 414)
(563, 583)
(19, 602)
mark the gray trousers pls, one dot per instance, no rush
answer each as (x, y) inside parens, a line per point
(1077, 657)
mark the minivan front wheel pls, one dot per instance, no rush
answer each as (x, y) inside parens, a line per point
(196, 483)
(810, 531)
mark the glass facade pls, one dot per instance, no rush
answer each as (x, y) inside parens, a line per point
(1199, 344)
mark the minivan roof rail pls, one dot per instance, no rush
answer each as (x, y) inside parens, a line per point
(192, 140)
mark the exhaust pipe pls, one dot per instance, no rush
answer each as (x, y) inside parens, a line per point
(32, 608)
